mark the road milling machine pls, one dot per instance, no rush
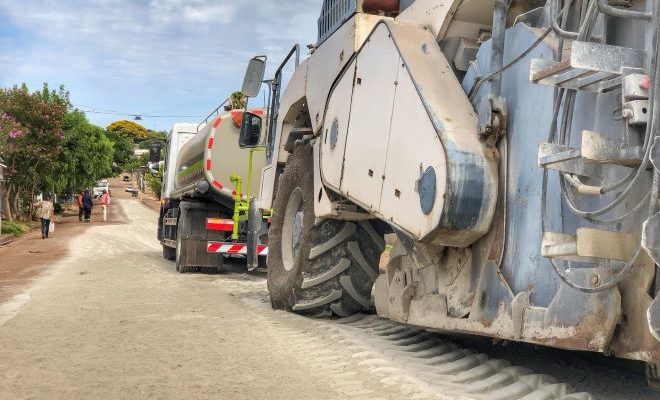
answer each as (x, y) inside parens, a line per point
(205, 211)
(512, 148)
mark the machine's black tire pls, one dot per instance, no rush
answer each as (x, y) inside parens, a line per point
(336, 264)
(182, 269)
(169, 253)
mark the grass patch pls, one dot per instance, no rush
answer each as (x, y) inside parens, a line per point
(14, 228)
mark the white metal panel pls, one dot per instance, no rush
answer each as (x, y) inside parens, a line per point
(322, 204)
(371, 111)
(330, 58)
(295, 91)
(338, 115)
(413, 147)
(436, 14)
(325, 65)
(265, 200)
(440, 15)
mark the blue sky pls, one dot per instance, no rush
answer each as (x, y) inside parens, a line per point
(149, 57)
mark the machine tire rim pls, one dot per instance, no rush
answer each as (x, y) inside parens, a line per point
(292, 229)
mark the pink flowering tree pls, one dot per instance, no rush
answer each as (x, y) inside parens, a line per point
(31, 140)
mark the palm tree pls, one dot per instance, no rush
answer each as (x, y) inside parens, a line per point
(237, 100)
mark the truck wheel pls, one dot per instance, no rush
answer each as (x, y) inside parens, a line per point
(318, 268)
(169, 253)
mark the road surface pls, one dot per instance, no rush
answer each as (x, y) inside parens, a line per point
(113, 320)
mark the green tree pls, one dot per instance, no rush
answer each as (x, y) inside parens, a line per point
(87, 154)
(136, 163)
(157, 135)
(123, 151)
(135, 132)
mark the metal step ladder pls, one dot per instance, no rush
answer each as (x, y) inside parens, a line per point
(591, 67)
(596, 68)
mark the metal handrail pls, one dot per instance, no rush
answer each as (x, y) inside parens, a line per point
(213, 113)
(276, 85)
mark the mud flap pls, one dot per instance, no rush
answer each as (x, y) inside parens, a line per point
(254, 227)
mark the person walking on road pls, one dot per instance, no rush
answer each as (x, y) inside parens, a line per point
(105, 202)
(46, 212)
(88, 203)
(81, 208)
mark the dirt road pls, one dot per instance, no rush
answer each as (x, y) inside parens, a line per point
(113, 320)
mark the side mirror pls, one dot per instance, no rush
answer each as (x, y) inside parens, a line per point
(254, 76)
(250, 131)
(154, 152)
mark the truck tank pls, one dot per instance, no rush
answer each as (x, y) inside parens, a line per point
(207, 162)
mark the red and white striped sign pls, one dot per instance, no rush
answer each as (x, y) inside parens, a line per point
(220, 225)
(233, 248)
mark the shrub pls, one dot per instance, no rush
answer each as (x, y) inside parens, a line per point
(13, 228)
(155, 183)
(58, 208)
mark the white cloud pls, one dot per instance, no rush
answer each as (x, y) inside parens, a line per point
(156, 56)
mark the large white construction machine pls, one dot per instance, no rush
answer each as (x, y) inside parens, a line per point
(509, 145)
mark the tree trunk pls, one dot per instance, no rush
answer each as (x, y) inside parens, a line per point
(31, 208)
(6, 202)
(16, 203)
(6, 208)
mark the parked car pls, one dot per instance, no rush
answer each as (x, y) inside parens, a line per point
(100, 187)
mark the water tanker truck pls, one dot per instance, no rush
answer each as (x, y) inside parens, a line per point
(207, 187)
(509, 145)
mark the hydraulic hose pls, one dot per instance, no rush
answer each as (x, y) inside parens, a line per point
(606, 8)
(554, 17)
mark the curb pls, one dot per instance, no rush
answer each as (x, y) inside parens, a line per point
(6, 239)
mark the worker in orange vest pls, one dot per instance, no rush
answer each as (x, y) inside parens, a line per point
(105, 201)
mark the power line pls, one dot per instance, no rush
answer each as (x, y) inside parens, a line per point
(104, 111)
